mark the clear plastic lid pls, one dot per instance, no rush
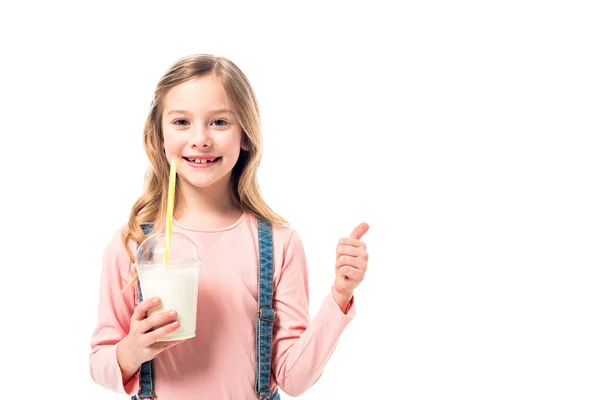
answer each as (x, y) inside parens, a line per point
(181, 250)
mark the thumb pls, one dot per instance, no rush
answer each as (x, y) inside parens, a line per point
(359, 231)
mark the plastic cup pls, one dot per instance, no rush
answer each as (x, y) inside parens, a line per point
(175, 283)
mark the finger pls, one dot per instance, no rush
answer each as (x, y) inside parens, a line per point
(352, 273)
(350, 261)
(141, 310)
(359, 231)
(156, 321)
(352, 242)
(151, 337)
(351, 251)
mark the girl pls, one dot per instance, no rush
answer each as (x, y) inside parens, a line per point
(205, 116)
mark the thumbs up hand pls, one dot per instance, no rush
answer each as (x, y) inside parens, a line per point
(350, 266)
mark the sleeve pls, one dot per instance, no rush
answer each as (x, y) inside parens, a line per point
(114, 314)
(301, 348)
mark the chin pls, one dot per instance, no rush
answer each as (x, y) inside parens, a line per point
(204, 183)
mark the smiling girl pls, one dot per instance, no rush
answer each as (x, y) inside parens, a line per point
(254, 334)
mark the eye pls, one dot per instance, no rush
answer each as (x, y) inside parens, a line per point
(181, 122)
(219, 122)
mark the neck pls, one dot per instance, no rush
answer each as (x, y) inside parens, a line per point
(211, 207)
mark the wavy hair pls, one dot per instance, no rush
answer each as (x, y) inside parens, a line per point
(152, 204)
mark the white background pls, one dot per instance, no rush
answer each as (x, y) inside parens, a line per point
(465, 134)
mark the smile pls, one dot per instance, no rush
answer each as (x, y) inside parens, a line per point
(201, 162)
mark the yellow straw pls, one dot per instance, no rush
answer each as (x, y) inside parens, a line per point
(170, 204)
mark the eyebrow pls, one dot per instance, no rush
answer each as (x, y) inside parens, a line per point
(219, 111)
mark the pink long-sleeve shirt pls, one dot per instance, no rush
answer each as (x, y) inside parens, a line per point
(219, 362)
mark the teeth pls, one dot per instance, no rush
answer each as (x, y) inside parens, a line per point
(201, 161)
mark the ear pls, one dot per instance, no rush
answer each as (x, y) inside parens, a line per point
(245, 143)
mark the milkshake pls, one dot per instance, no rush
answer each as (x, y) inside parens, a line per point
(175, 283)
(177, 287)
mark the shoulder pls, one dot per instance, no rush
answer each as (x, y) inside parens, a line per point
(284, 232)
(284, 236)
(116, 244)
(115, 251)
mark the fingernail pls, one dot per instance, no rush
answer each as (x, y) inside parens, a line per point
(173, 313)
(155, 300)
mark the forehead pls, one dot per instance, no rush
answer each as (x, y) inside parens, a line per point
(198, 95)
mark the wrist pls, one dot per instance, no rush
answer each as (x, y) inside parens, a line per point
(125, 360)
(342, 300)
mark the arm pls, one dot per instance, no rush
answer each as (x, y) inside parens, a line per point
(114, 314)
(301, 348)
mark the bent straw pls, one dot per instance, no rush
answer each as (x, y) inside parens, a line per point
(170, 203)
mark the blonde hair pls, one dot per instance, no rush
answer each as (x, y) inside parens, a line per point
(152, 204)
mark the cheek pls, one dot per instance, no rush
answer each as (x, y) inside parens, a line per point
(172, 143)
(234, 147)
(228, 144)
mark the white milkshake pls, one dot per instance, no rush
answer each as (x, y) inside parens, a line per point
(176, 284)
(177, 288)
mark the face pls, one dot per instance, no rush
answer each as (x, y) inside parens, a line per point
(201, 132)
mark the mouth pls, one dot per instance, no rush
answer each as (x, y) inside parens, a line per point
(203, 160)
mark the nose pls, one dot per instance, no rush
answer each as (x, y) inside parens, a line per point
(200, 137)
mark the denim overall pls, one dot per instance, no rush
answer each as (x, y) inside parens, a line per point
(264, 323)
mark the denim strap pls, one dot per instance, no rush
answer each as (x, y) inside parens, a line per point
(266, 312)
(264, 326)
(147, 369)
